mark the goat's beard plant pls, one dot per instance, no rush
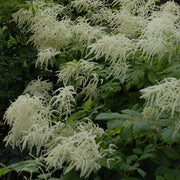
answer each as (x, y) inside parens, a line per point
(101, 45)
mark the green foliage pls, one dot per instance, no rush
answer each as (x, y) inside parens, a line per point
(103, 112)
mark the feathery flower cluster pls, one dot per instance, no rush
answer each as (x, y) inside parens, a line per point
(115, 48)
(102, 14)
(161, 33)
(39, 88)
(22, 115)
(46, 56)
(64, 100)
(79, 150)
(126, 23)
(164, 97)
(47, 31)
(84, 34)
(83, 72)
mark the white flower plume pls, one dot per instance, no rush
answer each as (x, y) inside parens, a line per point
(84, 34)
(80, 150)
(46, 30)
(22, 115)
(46, 56)
(164, 97)
(161, 33)
(83, 72)
(115, 48)
(39, 88)
(64, 100)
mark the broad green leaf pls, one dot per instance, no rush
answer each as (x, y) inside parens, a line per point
(107, 116)
(167, 134)
(169, 176)
(171, 153)
(132, 113)
(114, 124)
(141, 172)
(146, 156)
(141, 126)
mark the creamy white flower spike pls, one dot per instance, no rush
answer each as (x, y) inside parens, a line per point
(126, 23)
(46, 56)
(64, 100)
(39, 88)
(79, 150)
(161, 33)
(84, 34)
(164, 97)
(46, 30)
(115, 48)
(83, 72)
(22, 115)
(39, 136)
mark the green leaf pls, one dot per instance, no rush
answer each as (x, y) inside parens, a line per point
(141, 172)
(141, 126)
(152, 77)
(137, 151)
(167, 134)
(3, 170)
(169, 176)
(160, 178)
(108, 116)
(114, 124)
(171, 153)
(44, 176)
(131, 158)
(132, 113)
(146, 156)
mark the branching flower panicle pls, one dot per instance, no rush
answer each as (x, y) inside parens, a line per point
(46, 56)
(22, 115)
(164, 97)
(39, 88)
(115, 48)
(160, 35)
(64, 100)
(84, 34)
(79, 150)
(83, 72)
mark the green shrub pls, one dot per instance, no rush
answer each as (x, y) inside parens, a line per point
(114, 111)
